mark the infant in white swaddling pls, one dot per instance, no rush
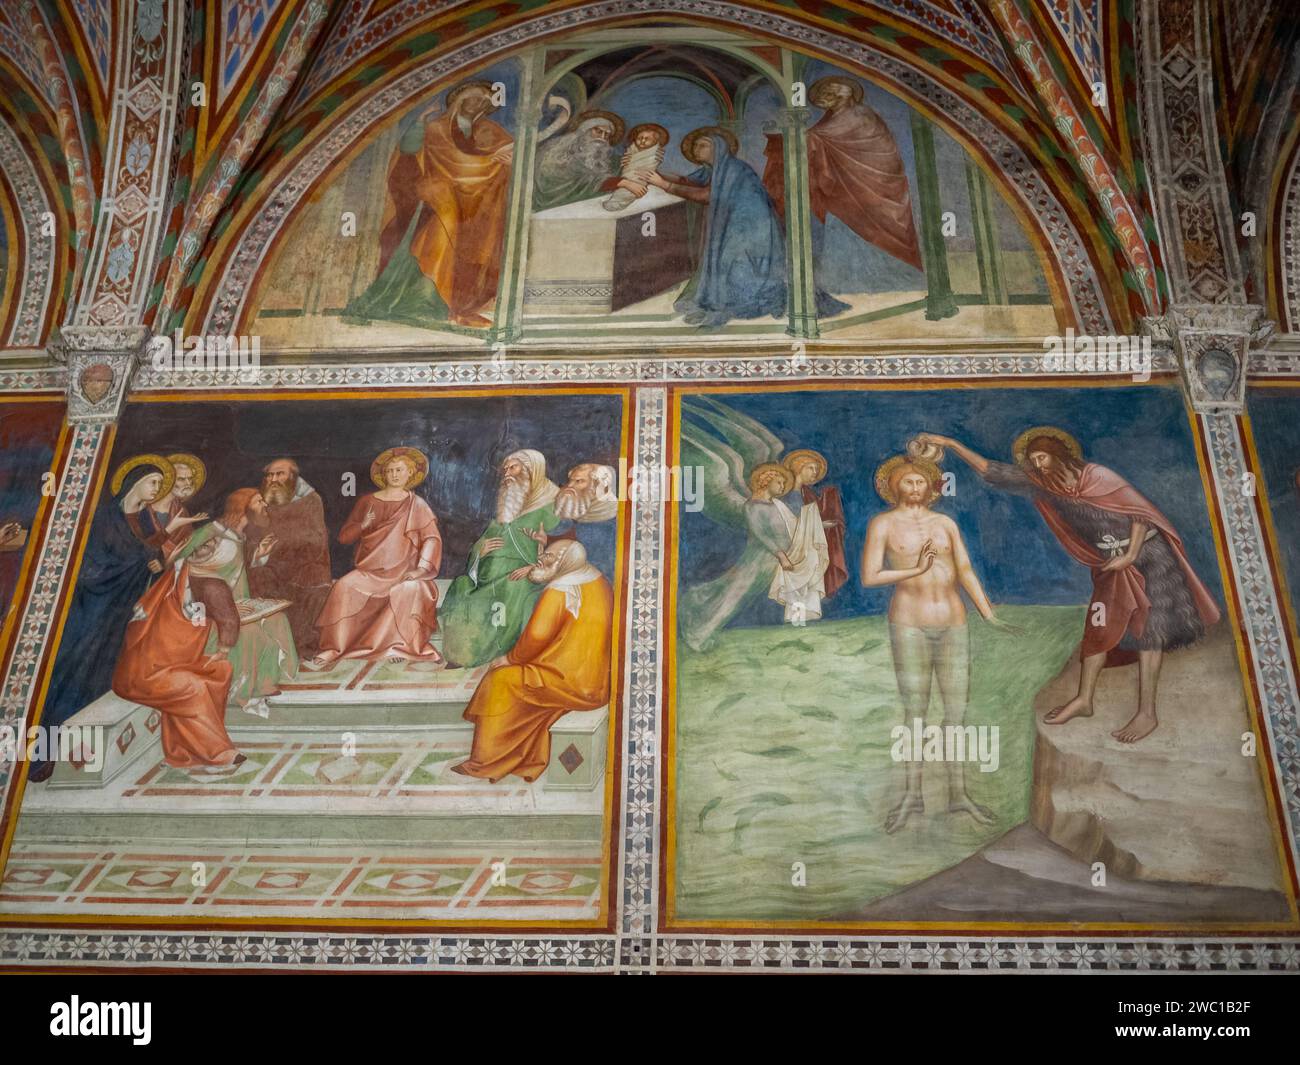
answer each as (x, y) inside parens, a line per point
(644, 154)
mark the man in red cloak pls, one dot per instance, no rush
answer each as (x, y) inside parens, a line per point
(163, 665)
(1146, 598)
(855, 171)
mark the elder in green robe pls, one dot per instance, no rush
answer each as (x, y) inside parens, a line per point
(261, 653)
(487, 607)
(579, 164)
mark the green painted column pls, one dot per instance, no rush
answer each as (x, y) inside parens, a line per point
(798, 224)
(507, 320)
(939, 302)
(988, 246)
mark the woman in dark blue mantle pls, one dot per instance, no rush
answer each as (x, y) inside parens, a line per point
(116, 569)
(742, 267)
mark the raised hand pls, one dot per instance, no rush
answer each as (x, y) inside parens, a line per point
(369, 519)
(927, 557)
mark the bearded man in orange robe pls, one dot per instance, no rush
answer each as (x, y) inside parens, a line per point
(560, 663)
(387, 606)
(440, 247)
(163, 665)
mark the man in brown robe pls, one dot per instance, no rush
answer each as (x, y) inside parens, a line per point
(298, 568)
(387, 606)
(855, 171)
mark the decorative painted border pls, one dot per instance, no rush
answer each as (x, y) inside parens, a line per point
(354, 37)
(637, 882)
(34, 379)
(151, 44)
(1290, 250)
(1263, 619)
(36, 286)
(1274, 362)
(1184, 168)
(666, 369)
(226, 307)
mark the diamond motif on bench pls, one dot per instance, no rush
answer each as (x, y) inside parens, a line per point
(571, 759)
(126, 738)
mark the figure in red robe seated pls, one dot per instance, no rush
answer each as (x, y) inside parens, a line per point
(163, 665)
(387, 606)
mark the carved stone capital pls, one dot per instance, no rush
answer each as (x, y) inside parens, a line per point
(1214, 342)
(101, 361)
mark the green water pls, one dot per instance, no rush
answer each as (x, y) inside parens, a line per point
(783, 756)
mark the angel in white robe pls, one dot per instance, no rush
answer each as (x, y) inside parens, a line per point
(747, 503)
(799, 584)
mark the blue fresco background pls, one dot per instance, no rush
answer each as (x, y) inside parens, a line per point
(1275, 419)
(1141, 432)
(28, 432)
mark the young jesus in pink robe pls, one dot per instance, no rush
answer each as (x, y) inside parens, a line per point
(387, 606)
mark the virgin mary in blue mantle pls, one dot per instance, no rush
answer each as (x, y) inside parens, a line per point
(742, 264)
(115, 572)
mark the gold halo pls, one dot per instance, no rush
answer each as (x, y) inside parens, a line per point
(688, 142)
(660, 131)
(164, 467)
(410, 453)
(609, 116)
(457, 91)
(795, 457)
(888, 467)
(787, 478)
(184, 458)
(1022, 441)
(855, 86)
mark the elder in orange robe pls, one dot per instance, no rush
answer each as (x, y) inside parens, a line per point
(163, 665)
(560, 663)
(387, 606)
(440, 246)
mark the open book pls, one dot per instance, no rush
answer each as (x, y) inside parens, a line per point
(251, 610)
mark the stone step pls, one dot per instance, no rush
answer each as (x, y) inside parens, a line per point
(391, 785)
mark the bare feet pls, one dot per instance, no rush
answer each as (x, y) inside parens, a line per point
(1076, 707)
(316, 664)
(966, 805)
(1142, 724)
(908, 805)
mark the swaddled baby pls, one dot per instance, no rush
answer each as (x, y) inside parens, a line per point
(644, 154)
